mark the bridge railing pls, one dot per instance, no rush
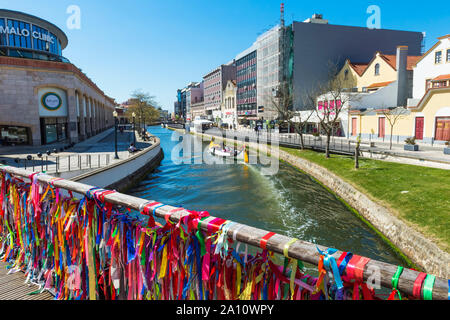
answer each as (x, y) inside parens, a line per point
(192, 245)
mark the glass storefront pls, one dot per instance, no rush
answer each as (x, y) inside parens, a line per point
(53, 130)
(11, 135)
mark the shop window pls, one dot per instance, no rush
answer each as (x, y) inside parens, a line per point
(11, 135)
(53, 130)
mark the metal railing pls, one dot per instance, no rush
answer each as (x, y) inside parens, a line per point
(337, 145)
(59, 164)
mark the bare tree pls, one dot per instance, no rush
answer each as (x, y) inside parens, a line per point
(333, 98)
(393, 115)
(282, 103)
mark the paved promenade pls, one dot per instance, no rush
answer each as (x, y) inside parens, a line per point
(95, 152)
(431, 156)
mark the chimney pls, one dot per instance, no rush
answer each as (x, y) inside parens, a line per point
(402, 75)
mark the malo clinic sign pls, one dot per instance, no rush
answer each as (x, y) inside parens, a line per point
(26, 33)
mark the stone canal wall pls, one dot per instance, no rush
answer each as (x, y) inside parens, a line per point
(124, 174)
(420, 250)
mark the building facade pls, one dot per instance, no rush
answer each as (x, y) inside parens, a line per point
(427, 115)
(44, 98)
(315, 47)
(246, 97)
(194, 94)
(229, 106)
(270, 70)
(214, 85)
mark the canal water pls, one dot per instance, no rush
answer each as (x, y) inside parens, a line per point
(288, 203)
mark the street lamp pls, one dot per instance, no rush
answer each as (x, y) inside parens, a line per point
(115, 133)
(134, 128)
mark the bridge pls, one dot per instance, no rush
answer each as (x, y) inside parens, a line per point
(82, 242)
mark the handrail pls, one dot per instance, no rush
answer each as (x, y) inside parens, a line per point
(301, 250)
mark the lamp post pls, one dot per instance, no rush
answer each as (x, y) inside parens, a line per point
(134, 128)
(115, 134)
(140, 123)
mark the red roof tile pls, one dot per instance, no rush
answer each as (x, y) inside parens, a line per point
(392, 60)
(442, 77)
(359, 67)
(380, 84)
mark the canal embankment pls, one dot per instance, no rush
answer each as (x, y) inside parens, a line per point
(95, 161)
(127, 171)
(401, 231)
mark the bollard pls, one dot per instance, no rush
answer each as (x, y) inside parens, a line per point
(69, 163)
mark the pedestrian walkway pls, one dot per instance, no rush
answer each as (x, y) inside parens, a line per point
(96, 152)
(13, 287)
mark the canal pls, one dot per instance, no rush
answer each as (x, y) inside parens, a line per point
(289, 203)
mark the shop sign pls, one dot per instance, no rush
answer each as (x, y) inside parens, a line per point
(51, 101)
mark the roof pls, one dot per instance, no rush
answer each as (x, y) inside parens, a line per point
(392, 60)
(442, 77)
(358, 67)
(379, 84)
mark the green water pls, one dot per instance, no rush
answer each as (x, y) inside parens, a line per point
(289, 203)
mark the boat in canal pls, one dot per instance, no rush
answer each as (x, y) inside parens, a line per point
(226, 152)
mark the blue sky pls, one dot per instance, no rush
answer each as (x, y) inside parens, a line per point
(159, 46)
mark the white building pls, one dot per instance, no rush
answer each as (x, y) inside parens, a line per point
(434, 63)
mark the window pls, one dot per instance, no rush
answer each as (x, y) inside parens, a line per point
(448, 55)
(377, 69)
(438, 57)
(346, 74)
